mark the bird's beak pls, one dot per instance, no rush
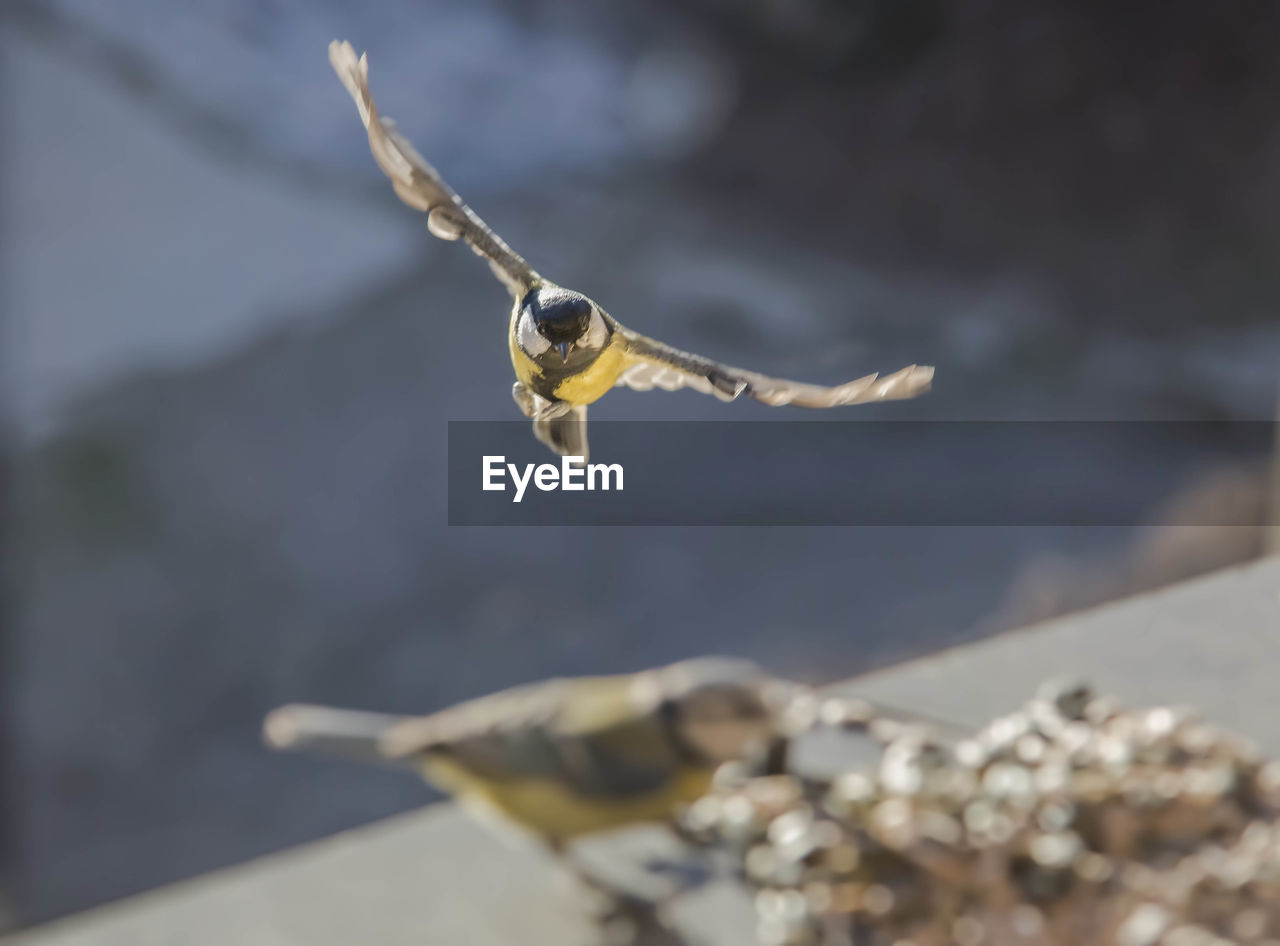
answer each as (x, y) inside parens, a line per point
(564, 351)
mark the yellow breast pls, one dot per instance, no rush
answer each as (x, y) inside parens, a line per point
(586, 386)
(594, 382)
(553, 811)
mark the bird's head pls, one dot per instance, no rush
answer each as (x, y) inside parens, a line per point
(560, 321)
(720, 708)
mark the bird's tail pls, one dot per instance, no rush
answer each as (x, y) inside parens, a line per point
(349, 734)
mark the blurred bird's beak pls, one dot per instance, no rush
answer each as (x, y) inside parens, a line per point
(564, 351)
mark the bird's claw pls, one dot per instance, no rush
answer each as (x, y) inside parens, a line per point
(629, 920)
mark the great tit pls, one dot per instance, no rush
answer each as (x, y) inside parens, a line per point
(565, 349)
(567, 757)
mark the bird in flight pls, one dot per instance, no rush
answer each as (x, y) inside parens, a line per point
(566, 350)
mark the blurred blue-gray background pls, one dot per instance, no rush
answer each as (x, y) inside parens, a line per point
(229, 354)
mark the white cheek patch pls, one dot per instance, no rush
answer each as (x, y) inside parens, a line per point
(597, 332)
(528, 338)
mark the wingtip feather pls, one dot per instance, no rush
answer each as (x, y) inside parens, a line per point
(917, 378)
(354, 73)
(906, 383)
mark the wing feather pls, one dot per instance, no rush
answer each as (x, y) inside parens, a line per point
(653, 364)
(419, 185)
(524, 708)
(584, 733)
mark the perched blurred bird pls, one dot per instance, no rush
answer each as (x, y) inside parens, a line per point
(570, 757)
(566, 757)
(566, 350)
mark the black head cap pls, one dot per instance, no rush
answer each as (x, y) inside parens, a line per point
(560, 315)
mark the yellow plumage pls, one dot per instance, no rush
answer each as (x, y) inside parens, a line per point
(553, 811)
(566, 757)
(585, 387)
(600, 708)
(591, 384)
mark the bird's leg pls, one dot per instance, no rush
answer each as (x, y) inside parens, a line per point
(606, 893)
(691, 872)
(623, 916)
(552, 410)
(686, 875)
(535, 406)
(525, 399)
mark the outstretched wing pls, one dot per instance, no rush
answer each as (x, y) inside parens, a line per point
(419, 184)
(651, 364)
(498, 736)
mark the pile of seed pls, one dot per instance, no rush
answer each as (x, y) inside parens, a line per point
(1072, 821)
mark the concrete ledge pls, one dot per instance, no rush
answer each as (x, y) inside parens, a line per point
(1212, 643)
(434, 877)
